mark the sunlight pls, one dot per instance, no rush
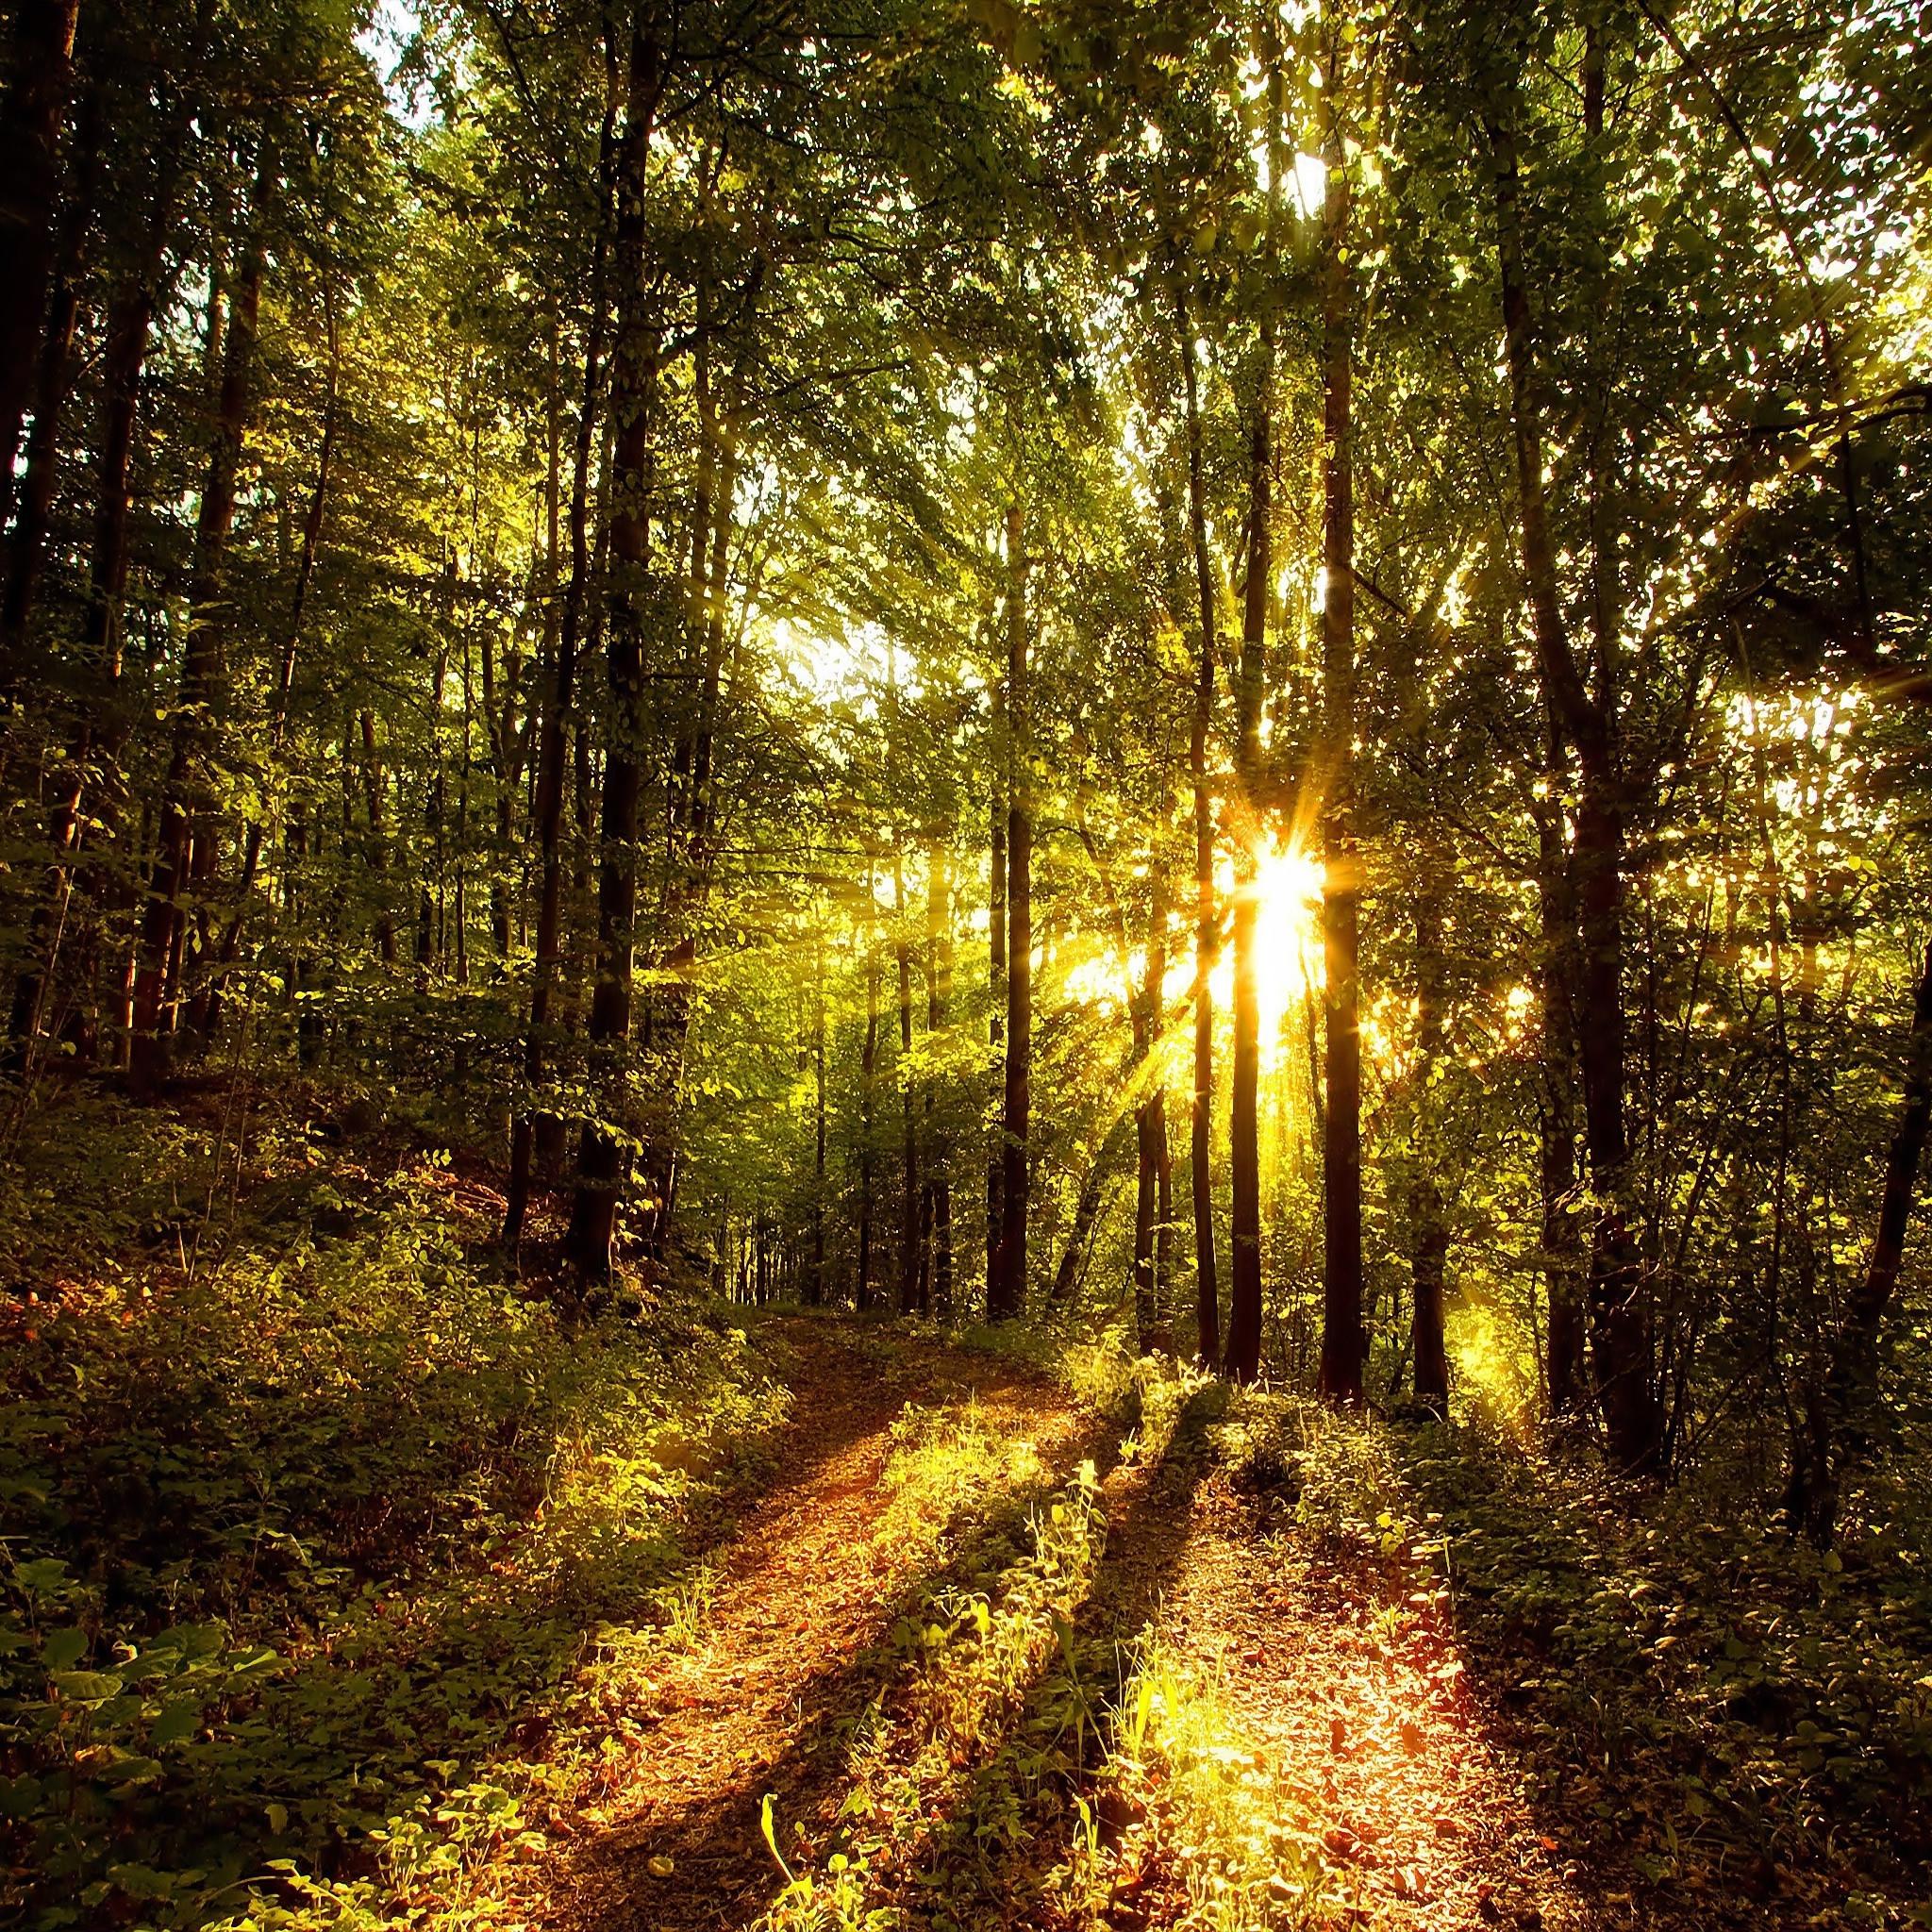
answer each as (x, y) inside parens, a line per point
(1288, 939)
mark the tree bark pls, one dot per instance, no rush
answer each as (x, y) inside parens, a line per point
(939, 966)
(551, 746)
(601, 1161)
(1567, 1369)
(1200, 1121)
(1014, 1149)
(997, 991)
(185, 822)
(30, 189)
(909, 1132)
(1622, 1328)
(1242, 1360)
(1152, 1185)
(868, 1077)
(1343, 1342)
(1428, 1227)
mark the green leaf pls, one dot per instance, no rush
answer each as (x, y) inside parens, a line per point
(63, 1649)
(85, 1687)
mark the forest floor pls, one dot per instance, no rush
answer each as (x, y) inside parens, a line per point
(348, 1583)
(1352, 1740)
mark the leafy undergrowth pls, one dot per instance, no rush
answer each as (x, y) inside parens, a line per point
(325, 1552)
(1723, 1708)
(1714, 1722)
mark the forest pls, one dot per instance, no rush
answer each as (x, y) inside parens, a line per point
(965, 963)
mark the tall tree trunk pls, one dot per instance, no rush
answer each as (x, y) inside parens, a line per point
(1343, 1342)
(908, 1195)
(1242, 1361)
(1622, 1329)
(602, 1162)
(868, 1108)
(996, 990)
(208, 1013)
(1562, 1246)
(185, 820)
(1151, 1181)
(815, 1279)
(30, 120)
(27, 552)
(559, 700)
(1015, 1151)
(938, 967)
(1429, 1232)
(1201, 1124)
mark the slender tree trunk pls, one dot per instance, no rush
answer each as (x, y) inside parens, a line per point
(185, 805)
(29, 190)
(207, 1010)
(602, 1162)
(867, 1087)
(1152, 1185)
(1243, 1357)
(1621, 1327)
(1015, 1151)
(996, 995)
(1838, 1426)
(1428, 1228)
(1343, 1342)
(27, 552)
(908, 1196)
(1562, 1246)
(815, 1279)
(939, 966)
(1201, 1125)
(551, 745)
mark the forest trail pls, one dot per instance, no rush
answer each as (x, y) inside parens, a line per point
(800, 1593)
(1339, 1704)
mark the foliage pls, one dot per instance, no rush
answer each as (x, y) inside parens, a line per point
(331, 1557)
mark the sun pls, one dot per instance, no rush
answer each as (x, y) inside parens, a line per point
(1288, 945)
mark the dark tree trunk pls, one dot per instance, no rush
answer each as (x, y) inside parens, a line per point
(1242, 1361)
(27, 552)
(1428, 1227)
(1563, 1244)
(1086, 1217)
(185, 821)
(1152, 1184)
(1015, 1151)
(1622, 1329)
(602, 1162)
(1836, 1423)
(1201, 1124)
(29, 188)
(868, 1089)
(551, 745)
(939, 966)
(996, 994)
(1343, 1342)
(909, 1132)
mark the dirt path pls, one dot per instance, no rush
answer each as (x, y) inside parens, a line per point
(1342, 1694)
(1336, 1688)
(801, 1592)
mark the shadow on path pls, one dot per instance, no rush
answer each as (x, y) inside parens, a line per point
(793, 1652)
